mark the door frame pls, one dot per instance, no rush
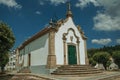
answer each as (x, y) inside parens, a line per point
(29, 59)
(68, 53)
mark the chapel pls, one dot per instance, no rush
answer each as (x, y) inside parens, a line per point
(60, 43)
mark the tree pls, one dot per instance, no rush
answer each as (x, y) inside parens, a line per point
(92, 62)
(4, 60)
(102, 57)
(116, 57)
(7, 40)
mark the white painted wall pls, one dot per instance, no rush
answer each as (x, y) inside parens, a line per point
(82, 52)
(38, 50)
(21, 59)
(25, 60)
(59, 51)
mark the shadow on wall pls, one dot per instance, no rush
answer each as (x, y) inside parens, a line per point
(38, 43)
(39, 69)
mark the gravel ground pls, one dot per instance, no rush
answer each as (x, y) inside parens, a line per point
(117, 79)
(11, 77)
(20, 77)
(25, 76)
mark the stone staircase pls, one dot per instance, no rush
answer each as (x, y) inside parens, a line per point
(24, 70)
(76, 70)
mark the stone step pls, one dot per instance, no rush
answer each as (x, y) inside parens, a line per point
(75, 70)
(75, 66)
(75, 73)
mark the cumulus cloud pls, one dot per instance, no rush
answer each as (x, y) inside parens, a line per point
(57, 2)
(83, 3)
(41, 2)
(38, 12)
(53, 2)
(101, 41)
(11, 3)
(118, 41)
(109, 18)
(106, 22)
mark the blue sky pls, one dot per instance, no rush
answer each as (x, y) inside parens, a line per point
(99, 19)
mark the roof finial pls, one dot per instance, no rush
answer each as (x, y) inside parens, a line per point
(51, 21)
(69, 6)
(69, 13)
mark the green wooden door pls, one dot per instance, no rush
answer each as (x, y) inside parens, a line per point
(72, 58)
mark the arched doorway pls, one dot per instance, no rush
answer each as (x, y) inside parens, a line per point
(72, 55)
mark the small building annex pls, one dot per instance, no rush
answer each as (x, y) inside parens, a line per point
(61, 43)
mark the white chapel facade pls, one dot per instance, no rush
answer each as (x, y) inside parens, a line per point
(61, 43)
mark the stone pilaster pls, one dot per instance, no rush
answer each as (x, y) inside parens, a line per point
(64, 46)
(78, 42)
(86, 57)
(51, 60)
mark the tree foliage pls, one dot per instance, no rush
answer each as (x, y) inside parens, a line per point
(7, 40)
(92, 62)
(101, 57)
(110, 49)
(4, 58)
(116, 56)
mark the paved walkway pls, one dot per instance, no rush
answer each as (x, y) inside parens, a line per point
(105, 76)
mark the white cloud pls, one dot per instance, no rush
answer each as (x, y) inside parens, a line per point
(57, 2)
(53, 2)
(101, 41)
(38, 12)
(41, 2)
(106, 22)
(105, 3)
(11, 3)
(118, 41)
(109, 18)
(84, 3)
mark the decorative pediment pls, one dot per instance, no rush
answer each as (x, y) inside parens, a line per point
(81, 32)
(71, 37)
(59, 23)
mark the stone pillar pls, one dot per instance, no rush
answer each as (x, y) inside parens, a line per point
(86, 57)
(78, 42)
(51, 60)
(64, 46)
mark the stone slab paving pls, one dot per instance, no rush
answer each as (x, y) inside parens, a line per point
(23, 76)
(104, 76)
(31, 76)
